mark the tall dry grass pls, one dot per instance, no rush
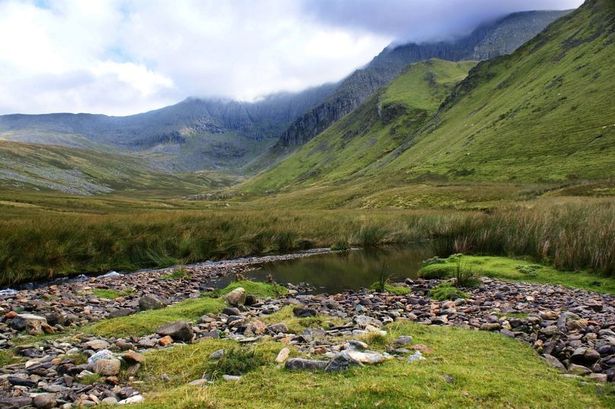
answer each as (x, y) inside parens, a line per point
(571, 235)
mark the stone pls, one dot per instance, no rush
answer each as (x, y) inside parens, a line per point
(132, 400)
(109, 400)
(339, 363)
(31, 323)
(236, 297)
(303, 312)
(549, 315)
(403, 340)
(217, 354)
(133, 357)
(364, 320)
(107, 367)
(165, 341)
(279, 328)
(45, 401)
(150, 302)
(550, 331)
(257, 327)
(19, 381)
(417, 356)
(490, 326)
(103, 354)
(231, 378)
(231, 311)
(554, 362)
(282, 355)
(178, 330)
(97, 344)
(584, 356)
(199, 382)
(598, 377)
(578, 370)
(358, 345)
(15, 402)
(364, 357)
(295, 364)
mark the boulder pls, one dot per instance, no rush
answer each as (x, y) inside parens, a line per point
(103, 354)
(295, 364)
(45, 401)
(150, 302)
(107, 367)
(236, 297)
(279, 328)
(97, 344)
(364, 320)
(31, 323)
(178, 330)
(218, 354)
(133, 357)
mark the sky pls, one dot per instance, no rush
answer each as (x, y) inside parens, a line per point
(121, 57)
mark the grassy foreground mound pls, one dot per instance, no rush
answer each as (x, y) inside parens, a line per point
(518, 270)
(464, 369)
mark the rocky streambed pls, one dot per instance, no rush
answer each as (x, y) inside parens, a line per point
(574, 330)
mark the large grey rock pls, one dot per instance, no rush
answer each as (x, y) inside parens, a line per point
(29, 322)
(363, 321)
(45, 401)
(108, 367)
(103, 354)
(236, 297)
(150, 302)
(178, 330)
(295, 364)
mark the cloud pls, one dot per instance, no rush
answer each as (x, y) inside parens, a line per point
(128, 56)
(422, 20)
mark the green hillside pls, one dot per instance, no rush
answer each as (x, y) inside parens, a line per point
(372, 131)
(85, 172)
(546, 113)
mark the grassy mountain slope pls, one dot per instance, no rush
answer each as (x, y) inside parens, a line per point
(375, 129)
(80, 171)
(546, 112)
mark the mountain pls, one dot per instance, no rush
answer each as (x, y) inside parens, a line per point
(544, 113)
(487, 41)
(192, 135)
(370, 132)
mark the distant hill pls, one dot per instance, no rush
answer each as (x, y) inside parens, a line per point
(544, 113)
(192, 135)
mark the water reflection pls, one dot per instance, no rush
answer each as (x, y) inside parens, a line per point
(352, 270)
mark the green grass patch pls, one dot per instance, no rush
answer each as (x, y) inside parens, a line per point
(390, 288)
(7, 357)
(110, 293)
(147, 322)
(297, 325)
(519, 270)
(258, 289)
(237, 362)
(446, 291)
(178, 274)
(466, 369)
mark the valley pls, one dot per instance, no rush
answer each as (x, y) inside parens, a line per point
(436, 229)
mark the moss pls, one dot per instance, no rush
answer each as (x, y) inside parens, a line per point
(446, 291)
(297, 325)
(110, 293)
(7, 357)
(147, 322)
(177, 274)
(258, 289)
(390, 288)
(519, 270)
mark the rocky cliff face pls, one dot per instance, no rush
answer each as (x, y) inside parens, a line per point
(486, 42)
